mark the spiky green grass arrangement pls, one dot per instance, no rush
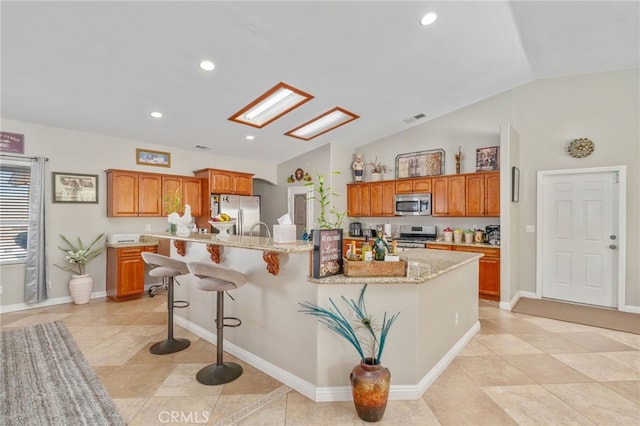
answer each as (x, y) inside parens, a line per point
(365, 330)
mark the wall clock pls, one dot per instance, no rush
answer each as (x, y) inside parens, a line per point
(581, 148)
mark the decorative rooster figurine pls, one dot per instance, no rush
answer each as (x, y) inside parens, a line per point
(181, 222)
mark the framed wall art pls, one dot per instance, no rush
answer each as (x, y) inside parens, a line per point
(421, 163)
(515, 184)
(74, 188)
(488, 159)
(153, 158)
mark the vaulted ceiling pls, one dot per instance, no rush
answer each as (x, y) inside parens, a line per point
(102, 67)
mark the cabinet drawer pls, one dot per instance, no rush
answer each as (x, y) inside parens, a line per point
(438, 246)
(130, 251)
(487, 251)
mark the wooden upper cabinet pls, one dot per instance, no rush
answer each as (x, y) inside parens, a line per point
(133, 194)
(187, 190)
(483, 194)
(448, 195)
(226, 181)
(413, 186)
(359, 199)
(383, 198)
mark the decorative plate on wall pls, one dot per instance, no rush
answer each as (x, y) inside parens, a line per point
(581, 148)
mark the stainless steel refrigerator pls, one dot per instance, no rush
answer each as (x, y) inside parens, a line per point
(246, 209)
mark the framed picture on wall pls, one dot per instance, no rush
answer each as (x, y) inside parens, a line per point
(153, 158)
(421, 163)
(74, 188)
(488, 159)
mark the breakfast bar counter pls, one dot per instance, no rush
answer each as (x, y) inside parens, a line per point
(438, 314)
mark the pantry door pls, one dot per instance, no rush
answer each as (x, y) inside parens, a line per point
(579, 242)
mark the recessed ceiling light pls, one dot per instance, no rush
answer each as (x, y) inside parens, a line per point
(156, 114)
(249, 137)
(322, 124)
(271, 105)
(207, 65)
(428, 19)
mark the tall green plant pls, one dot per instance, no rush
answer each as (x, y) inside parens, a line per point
(323, 195)
(366, 335)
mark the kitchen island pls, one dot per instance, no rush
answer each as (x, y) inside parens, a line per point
(438, 315)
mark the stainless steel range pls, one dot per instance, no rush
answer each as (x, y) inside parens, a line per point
(416, 236)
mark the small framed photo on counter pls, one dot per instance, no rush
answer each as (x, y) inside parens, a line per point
(327, 252)
(74, 188)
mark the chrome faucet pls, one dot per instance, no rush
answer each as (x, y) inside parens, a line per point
(260, 224)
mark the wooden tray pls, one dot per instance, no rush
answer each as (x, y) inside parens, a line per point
(355, 268)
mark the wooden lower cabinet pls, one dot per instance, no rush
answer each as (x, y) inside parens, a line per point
(489, 268)
(125, 272)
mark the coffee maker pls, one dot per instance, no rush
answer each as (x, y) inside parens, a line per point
(355, 229)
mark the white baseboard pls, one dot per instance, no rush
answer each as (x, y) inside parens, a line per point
(49, 302)
(336, 393)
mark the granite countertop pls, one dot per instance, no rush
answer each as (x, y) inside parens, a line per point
(423, 265)
(239, 241)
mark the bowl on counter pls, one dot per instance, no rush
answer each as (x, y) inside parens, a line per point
(223, 227)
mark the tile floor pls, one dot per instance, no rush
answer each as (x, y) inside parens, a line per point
(519, 369)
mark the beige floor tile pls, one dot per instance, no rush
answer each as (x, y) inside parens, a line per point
(274, 413)
(186, 410)
(534, 405)
(408, 413)
(303, 411)
(491, 371)
(132, 381)
(252, 380)
(598, 367)
(629, 389)
(9, 318)
(556, 326)
(630, 359)
(506, 344)
(511, 325)
(229, 405)
(475, 348)
(453, 377)
(182, 382)
(116, 351)
(37, 319)
(464, 405)
(600, 404)
(596, 342)
(88, 338)
(129, 407)
(628, 339)
(552, 343)
(546, 369)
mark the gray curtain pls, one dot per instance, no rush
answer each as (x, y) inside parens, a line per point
(36, 275)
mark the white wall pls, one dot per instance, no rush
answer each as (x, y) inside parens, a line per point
(547, 115)
(78, 152)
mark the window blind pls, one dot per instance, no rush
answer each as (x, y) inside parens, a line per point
(14, 211)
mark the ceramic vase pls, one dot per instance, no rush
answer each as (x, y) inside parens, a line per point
(370, 388)
(375, 177)
(80, 287)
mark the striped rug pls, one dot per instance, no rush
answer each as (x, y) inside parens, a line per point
(45, 380)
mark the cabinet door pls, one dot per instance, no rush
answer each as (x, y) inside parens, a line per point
(440, 196)
(388, 199)
(422, 185)
(475, 195)
(130, 275)
(376, 199)
(172, 200)
(492, 194)
(243, 184)
(221, 182)
(489, 278)
(404, 186)
(359, 200)
(149, 195)
(456, 197)
(192, 195)
(122, 193)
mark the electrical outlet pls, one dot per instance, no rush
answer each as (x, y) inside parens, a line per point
(530, 228)
(456, 320)
(147, 227)
(1, 289)
(49, 284)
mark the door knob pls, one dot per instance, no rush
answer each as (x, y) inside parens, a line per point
(613, 246)
(613, 236)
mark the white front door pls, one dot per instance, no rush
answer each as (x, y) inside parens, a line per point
(579, 237)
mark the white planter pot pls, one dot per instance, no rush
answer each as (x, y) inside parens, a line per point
(375, 177)
(80, 287)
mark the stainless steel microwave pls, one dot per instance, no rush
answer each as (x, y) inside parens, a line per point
(413, 204)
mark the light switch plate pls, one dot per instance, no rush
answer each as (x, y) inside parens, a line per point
(530, 228)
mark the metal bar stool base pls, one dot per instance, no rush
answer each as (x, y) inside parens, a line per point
(219, 374)
(169, 346)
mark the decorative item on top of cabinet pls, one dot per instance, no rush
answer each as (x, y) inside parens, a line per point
(458, 157)
(358, 168)
(378, 169)
(488, 159)
(422, 163)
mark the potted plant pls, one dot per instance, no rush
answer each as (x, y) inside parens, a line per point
(172, 204)
(370, 381)
(78, 256)
(323, 195)
(378, 169)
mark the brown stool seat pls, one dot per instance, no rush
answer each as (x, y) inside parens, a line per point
(212, 277)
(168, 269)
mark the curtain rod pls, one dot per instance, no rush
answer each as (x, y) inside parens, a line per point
(19, 157)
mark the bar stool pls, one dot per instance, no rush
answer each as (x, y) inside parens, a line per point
(168, 268)
(217, 278)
